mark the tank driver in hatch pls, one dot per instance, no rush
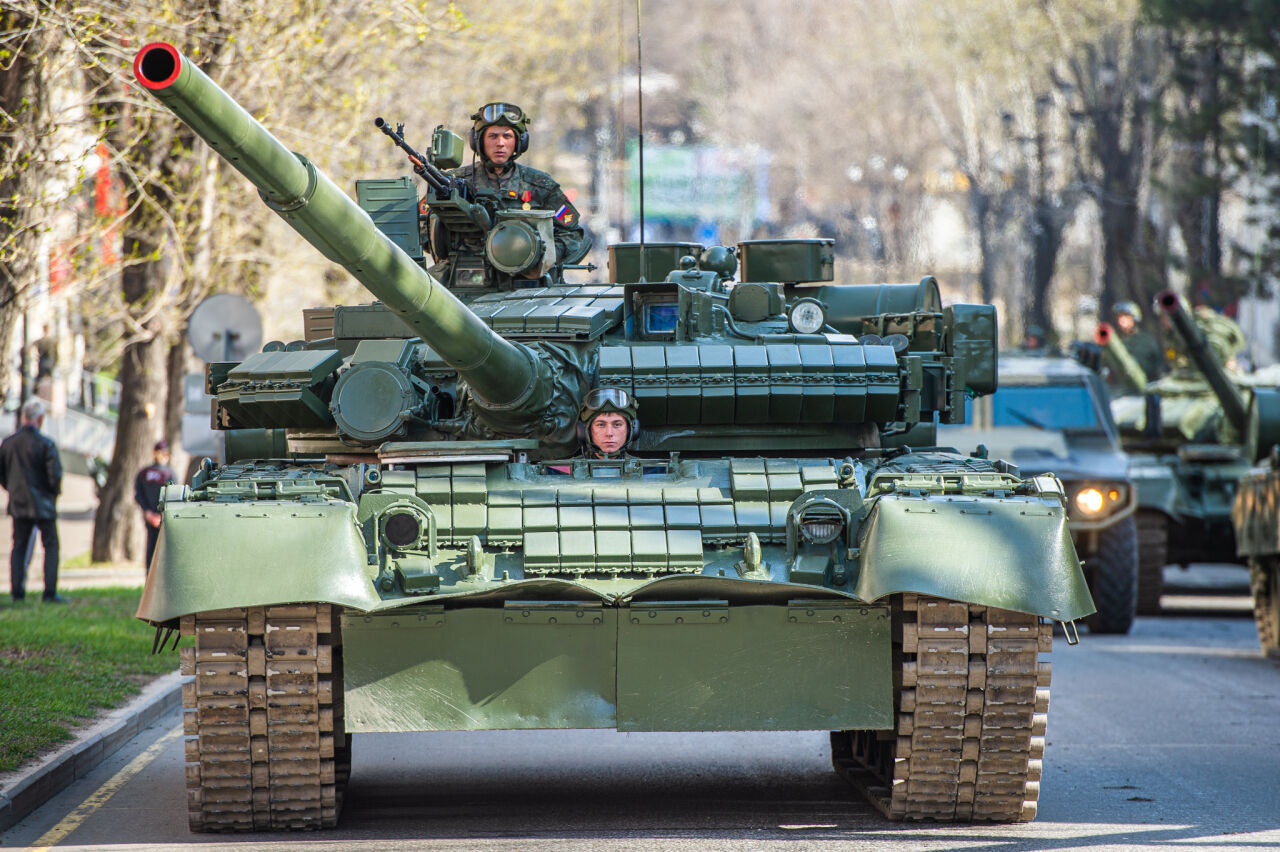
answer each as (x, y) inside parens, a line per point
(607, 423)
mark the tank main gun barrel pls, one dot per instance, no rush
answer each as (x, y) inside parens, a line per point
(1233, 405)
(1106, 337)
(510, 384)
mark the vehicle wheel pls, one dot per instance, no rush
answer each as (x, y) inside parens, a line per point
(1264, 579)
(1113, 580)
(1153, 554)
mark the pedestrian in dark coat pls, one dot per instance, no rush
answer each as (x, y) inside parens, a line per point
(32, 474)
(146, 493)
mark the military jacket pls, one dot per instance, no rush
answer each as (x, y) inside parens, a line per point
(1144, 349)
(519, 185)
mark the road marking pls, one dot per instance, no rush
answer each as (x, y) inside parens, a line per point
(76, 818)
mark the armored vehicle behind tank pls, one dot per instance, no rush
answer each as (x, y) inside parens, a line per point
(1256, 519)
(1052, 415)
(1186, 440)
(404, 537)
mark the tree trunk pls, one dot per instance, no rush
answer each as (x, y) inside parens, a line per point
(980, 203)
(117, 525)
(175, 404)
(22, 95)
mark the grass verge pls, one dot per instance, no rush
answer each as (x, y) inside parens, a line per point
(60, 664)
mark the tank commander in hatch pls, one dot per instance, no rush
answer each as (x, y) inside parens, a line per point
(499, 135)
(607, 423)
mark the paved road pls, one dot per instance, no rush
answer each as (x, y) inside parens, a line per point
(1165, 738)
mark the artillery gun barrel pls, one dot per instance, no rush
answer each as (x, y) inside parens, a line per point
(1233, 405)
(507, 379)
(1106, 337)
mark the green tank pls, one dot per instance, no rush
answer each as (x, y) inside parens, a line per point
(1185, 436)
(403, 536)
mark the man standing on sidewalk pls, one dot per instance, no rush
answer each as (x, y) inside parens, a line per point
(146, 493)
(32, 474)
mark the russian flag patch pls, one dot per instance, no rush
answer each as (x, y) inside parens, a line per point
(564, 215)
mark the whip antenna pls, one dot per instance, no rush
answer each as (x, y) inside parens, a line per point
(640, 122)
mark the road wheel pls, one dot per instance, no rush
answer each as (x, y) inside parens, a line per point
(1113, 580)
(1153, 554)
(1264, 579)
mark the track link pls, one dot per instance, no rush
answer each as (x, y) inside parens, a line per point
(263, 716)
(973, 703)
(1264, 581)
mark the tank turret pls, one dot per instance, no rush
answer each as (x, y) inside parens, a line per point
(1199, 351)
(765, 358)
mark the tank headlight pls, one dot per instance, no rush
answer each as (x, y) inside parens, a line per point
(402, 529)
(821, 524)
(807, 316)
(1090, 501)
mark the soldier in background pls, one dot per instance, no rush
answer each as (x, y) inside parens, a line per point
(31, 472)
(1141, 345)
(499, 135)
(146, 493)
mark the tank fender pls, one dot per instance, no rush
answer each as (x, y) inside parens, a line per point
(1012, 553)
(1156, 485)
(220, 555)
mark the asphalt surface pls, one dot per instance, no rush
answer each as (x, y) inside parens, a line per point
(1164, 738)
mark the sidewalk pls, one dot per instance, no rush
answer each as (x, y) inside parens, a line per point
(76, 508)
(26, 789)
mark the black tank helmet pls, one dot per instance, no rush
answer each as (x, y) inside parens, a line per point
(500, 113)
(602, 401)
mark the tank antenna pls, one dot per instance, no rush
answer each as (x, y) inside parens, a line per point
(640, 122)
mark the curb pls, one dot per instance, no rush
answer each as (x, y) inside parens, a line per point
(37, 785)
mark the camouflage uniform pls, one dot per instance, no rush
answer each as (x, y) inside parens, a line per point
(518, 185)
(1144, 349)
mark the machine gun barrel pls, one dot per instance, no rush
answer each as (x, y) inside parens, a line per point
(1106, 337)
(1233, 405)
(509, 383)
(422, 166)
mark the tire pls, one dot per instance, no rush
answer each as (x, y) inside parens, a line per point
(1153, 555)
(1264, 579)
(1114, 579)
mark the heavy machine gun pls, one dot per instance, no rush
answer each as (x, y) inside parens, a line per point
(477, 244)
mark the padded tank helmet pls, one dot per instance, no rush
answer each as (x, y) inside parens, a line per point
(1129, 307)
(500, 113)
(604, 401)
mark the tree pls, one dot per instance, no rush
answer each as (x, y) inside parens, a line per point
(27, 191)
(1224, 81)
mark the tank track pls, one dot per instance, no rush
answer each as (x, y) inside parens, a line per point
(263, 716)
(1264, 581)
(1153, 555)
(973, 703)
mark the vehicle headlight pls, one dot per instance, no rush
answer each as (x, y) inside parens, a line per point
(821, 523)
(1090, 501)
(1098, 500)
(807, 316)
